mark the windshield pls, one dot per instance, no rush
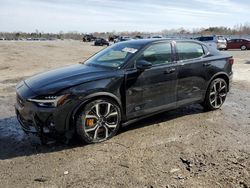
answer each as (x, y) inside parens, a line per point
(113, 56)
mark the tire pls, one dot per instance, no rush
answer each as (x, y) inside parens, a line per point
(243, 47)
(98, 121)
(216, 94)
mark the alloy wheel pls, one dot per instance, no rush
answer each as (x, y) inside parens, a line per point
(101, 121)
(218, 93)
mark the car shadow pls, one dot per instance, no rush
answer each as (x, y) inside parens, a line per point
(247, 62)
(164, 117)
(15, 143)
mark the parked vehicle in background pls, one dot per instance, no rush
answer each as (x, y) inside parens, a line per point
(138, 37)
(125, 38)
(112, 38)
(88, 38)
(243, 44)
(122, 39)
(156, 37)
(215, 41)
(101, 42)
(121, 84)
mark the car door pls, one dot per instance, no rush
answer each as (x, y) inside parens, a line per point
(191, 72)
(231, 44)
(238, 44)
(153, 89)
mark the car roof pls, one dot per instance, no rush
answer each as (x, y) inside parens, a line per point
(239, 39)
(145, 42)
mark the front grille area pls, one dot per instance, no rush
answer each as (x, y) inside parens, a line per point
(27, 125)
(19, 100)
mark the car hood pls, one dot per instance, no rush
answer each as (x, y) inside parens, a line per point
(62, 78)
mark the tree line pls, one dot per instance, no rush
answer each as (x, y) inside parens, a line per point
(240, 30)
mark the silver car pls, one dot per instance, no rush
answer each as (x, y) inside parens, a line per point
(216, 41)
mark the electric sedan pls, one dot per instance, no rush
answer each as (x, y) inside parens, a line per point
(121, 84)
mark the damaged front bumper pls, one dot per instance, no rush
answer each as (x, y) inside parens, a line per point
(32, 124)
(47, 123)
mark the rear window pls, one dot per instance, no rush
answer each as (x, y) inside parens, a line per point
(220, 38)
(189, 50)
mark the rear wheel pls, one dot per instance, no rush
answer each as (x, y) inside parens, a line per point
(243, 47)
(98, 121)
(216, 94)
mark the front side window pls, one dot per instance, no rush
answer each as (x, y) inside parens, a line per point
(189, 50)
(157, 54)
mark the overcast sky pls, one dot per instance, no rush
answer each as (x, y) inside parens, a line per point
(119, 15)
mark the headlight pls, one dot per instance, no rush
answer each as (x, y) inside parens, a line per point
(50, 101)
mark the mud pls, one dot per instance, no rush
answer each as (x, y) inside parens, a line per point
(186, 147)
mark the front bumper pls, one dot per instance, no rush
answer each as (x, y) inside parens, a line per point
(27, 126)
(48, 122)
(34, 120)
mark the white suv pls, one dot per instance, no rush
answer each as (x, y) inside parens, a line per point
(218, 42)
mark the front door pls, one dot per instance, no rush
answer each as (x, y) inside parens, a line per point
(153, 89)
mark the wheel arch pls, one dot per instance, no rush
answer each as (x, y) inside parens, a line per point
(87, 99)
(219, 75)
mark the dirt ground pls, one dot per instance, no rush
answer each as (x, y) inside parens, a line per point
(181, 148)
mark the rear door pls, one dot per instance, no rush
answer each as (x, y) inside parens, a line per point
(153, 89)
(238, 44)
(191, 72)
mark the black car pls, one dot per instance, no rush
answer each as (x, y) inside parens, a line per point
(88, 38)
(120, 84)
(101, 42)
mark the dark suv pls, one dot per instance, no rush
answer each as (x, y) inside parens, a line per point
(120, 84)
(101, 42)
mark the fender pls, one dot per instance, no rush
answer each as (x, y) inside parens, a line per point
(103, 94)
(216, 75)
(86, 100)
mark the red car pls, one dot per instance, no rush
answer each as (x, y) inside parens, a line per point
(243, 44)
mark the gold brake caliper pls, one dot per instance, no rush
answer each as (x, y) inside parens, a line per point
(90, 122)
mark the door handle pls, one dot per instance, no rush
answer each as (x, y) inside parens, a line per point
(169, 71)
(206, 64)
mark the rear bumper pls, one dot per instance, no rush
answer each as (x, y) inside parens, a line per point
(221, 46)
(230, 81)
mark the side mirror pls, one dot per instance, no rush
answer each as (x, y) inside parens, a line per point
(143, 65)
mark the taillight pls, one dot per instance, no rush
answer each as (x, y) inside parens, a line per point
(231, 61)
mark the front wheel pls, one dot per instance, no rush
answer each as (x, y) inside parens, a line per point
(216, 94)
(98, 121)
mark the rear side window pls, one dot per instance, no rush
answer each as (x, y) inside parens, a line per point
(189, 50)
(157, 54)
(206, 38)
